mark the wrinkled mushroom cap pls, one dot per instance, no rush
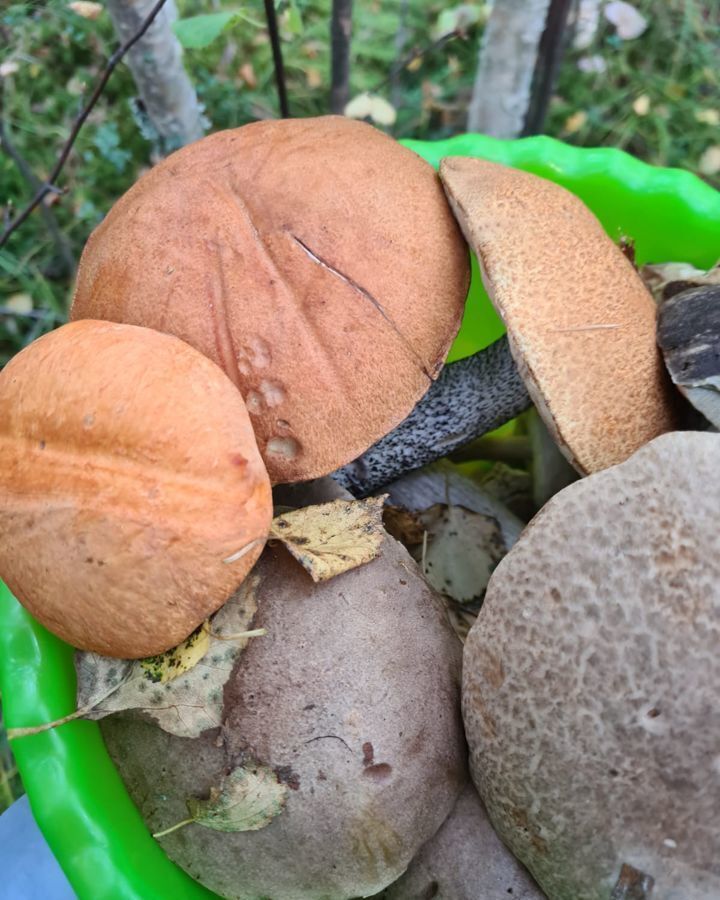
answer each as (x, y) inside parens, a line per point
(580, 322)
(591, 677)
(128, 473)
(315, 260)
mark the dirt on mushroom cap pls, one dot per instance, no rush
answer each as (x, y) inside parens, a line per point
(129, 472)
(590, 680)
(580, 322)
(315, 260)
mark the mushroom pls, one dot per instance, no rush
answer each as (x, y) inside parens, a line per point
(591, 676)
(689, 336)
(133, 499)
(315, 260)
(464, 860)
(351, 699)
(580, 334)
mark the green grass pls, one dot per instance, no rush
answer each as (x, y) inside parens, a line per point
(59, 55)
(10, 784)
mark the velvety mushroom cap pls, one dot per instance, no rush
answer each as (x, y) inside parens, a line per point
(591, 678)
(128, 473)
(580, 322)
(315, 260)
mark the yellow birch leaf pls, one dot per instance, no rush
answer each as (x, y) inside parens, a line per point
(331, 538)
(168, 665)
(86, 8)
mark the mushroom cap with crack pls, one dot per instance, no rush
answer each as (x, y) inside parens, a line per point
(590, 680)
(580, 322)
(128, 473)
(315, 260)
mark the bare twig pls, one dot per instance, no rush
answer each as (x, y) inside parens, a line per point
(48, 186)
(340, 36)
(416, 54)
(552, 46)
(277, 57)
(33, 182)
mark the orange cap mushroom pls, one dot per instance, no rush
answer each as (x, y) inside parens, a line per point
(129, 476)
(315, 260)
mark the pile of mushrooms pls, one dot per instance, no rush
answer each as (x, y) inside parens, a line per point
(273, 305)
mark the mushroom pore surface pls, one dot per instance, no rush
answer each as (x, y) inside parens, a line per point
(315, 260)
(580, 322)
(590, 680)
(128, 473)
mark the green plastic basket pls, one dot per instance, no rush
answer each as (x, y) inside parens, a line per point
(76, 795)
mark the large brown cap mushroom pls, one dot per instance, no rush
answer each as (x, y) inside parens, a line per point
(591, 678)
(580, 322)
(129, 475)
(315, 260)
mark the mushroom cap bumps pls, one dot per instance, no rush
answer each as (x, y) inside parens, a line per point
(591, 677)
(128, 473)
(580, 321)
(315, 260)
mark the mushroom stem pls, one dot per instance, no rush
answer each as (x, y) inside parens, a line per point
(632, 884)
(470, 398)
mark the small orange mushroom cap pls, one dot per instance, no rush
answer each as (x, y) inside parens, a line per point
(128, 473)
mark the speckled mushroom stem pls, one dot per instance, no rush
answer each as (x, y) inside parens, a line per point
(470, 398)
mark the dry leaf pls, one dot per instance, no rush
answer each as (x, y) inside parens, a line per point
(86, 8)
(709, 163)
(708, 116)
(641, 105)
(247, 799)
(331, 538)
(183, 703)
(575, 122)
(175, 662)
(247, 73)
(313, 78)
(629, 23)
(403, 525)
(463, 549)
(19, 303)
(370, 106)
(592, 64)
(9, 67)
(671, 278)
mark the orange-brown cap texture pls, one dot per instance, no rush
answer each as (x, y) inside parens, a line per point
(315, 260)
(580, 322)
(128, 473)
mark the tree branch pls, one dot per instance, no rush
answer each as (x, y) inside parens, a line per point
(33, 182)
(48, 186)
(271, 18)
(340, 36)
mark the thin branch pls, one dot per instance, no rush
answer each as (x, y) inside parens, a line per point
(49, 186)
(34, 183)
(277, 57)
(551, 49)
(340, 37)
(416, 54)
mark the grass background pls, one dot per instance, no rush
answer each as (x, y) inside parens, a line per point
(657, 96)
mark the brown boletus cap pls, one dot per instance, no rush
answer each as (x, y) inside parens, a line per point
(315, 260)
(129, 473)
(580, 322)
(591, 681)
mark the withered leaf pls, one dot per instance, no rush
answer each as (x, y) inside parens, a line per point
(182, 689)
(331, 538)
(246, 800)
(461, 552)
